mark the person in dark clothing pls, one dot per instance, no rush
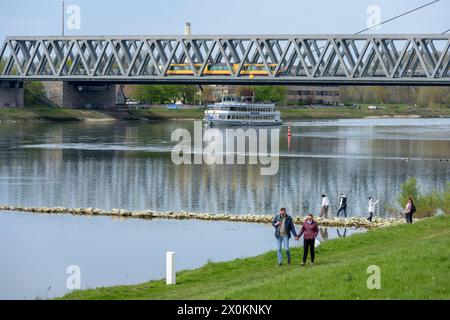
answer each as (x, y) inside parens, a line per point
(409, 210)
(284, 226)
(309, 231)
(342, 205)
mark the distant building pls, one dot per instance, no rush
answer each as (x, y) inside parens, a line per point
(296, 95)
(218, 91)
(318, 95)
(187, 29)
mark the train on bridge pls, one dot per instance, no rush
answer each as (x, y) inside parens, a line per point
(222, 69)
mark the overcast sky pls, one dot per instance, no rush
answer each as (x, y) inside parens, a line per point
(43, 17)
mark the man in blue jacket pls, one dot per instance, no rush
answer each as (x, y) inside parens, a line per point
(283, 228)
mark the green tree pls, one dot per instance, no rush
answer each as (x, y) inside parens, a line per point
(35, 94)
(187, 94)
(159, 94)
(445, 199)
(431, 96)
(426, 204)
(2, 65)
(275, 94)
(148, 93)
(422, 96)
(409, 188)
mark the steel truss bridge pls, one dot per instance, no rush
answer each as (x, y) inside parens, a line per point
(411, 59)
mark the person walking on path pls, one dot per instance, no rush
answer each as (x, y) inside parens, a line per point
(309, 231)
(342, 205)
(372, 204)
(409, 210)
(284, 226)
(325, 206)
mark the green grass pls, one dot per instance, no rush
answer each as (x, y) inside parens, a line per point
(363, 112)
(61, 114)
(167, 114)
(50, 114)
(414, 261)
(307, 114)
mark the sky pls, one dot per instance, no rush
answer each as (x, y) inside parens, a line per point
(167, 17)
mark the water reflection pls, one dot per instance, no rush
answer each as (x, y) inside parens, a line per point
(343, 234)
(128, 165)
(324, 233)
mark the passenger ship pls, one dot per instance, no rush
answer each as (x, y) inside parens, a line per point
(236, 111)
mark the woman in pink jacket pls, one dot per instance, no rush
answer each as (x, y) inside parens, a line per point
(309, 231)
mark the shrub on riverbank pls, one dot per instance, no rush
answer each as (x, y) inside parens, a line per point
(427, 204)
(35, 94)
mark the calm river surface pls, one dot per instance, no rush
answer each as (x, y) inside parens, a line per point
(128, 165)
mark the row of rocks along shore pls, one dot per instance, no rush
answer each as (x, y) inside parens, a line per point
(357, 222)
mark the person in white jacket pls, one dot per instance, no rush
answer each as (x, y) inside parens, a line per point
(372, 204)
(325, 206)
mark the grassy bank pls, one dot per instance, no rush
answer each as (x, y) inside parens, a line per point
(59, 114)
(307, 114)
(51, 114)
(364, 112)
(167, 114)
(414, 262)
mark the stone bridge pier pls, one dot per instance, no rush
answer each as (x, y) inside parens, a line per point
(11, 94)
(81, 95)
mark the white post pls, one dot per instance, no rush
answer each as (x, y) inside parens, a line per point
(170, 268)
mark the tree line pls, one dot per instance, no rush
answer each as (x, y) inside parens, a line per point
(191, 94)
(411, 95)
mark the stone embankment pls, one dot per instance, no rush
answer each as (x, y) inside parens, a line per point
(358, 222)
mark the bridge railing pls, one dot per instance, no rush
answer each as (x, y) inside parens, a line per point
(248, 58)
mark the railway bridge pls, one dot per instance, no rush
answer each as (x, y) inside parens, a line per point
(87, 68)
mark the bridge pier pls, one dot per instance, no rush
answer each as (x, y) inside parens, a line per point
(88, 96)
(11, 94)
(75, 95)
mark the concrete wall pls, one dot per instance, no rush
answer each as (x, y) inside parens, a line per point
(11, 94)
(89, 97)
(54, 91)
(81, 96)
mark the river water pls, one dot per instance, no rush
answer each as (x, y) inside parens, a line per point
(128, 165)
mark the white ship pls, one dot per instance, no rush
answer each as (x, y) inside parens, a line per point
(235, 111)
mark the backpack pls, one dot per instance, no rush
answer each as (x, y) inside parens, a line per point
(413, 208)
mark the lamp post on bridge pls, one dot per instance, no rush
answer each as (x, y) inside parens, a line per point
(62, 18)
